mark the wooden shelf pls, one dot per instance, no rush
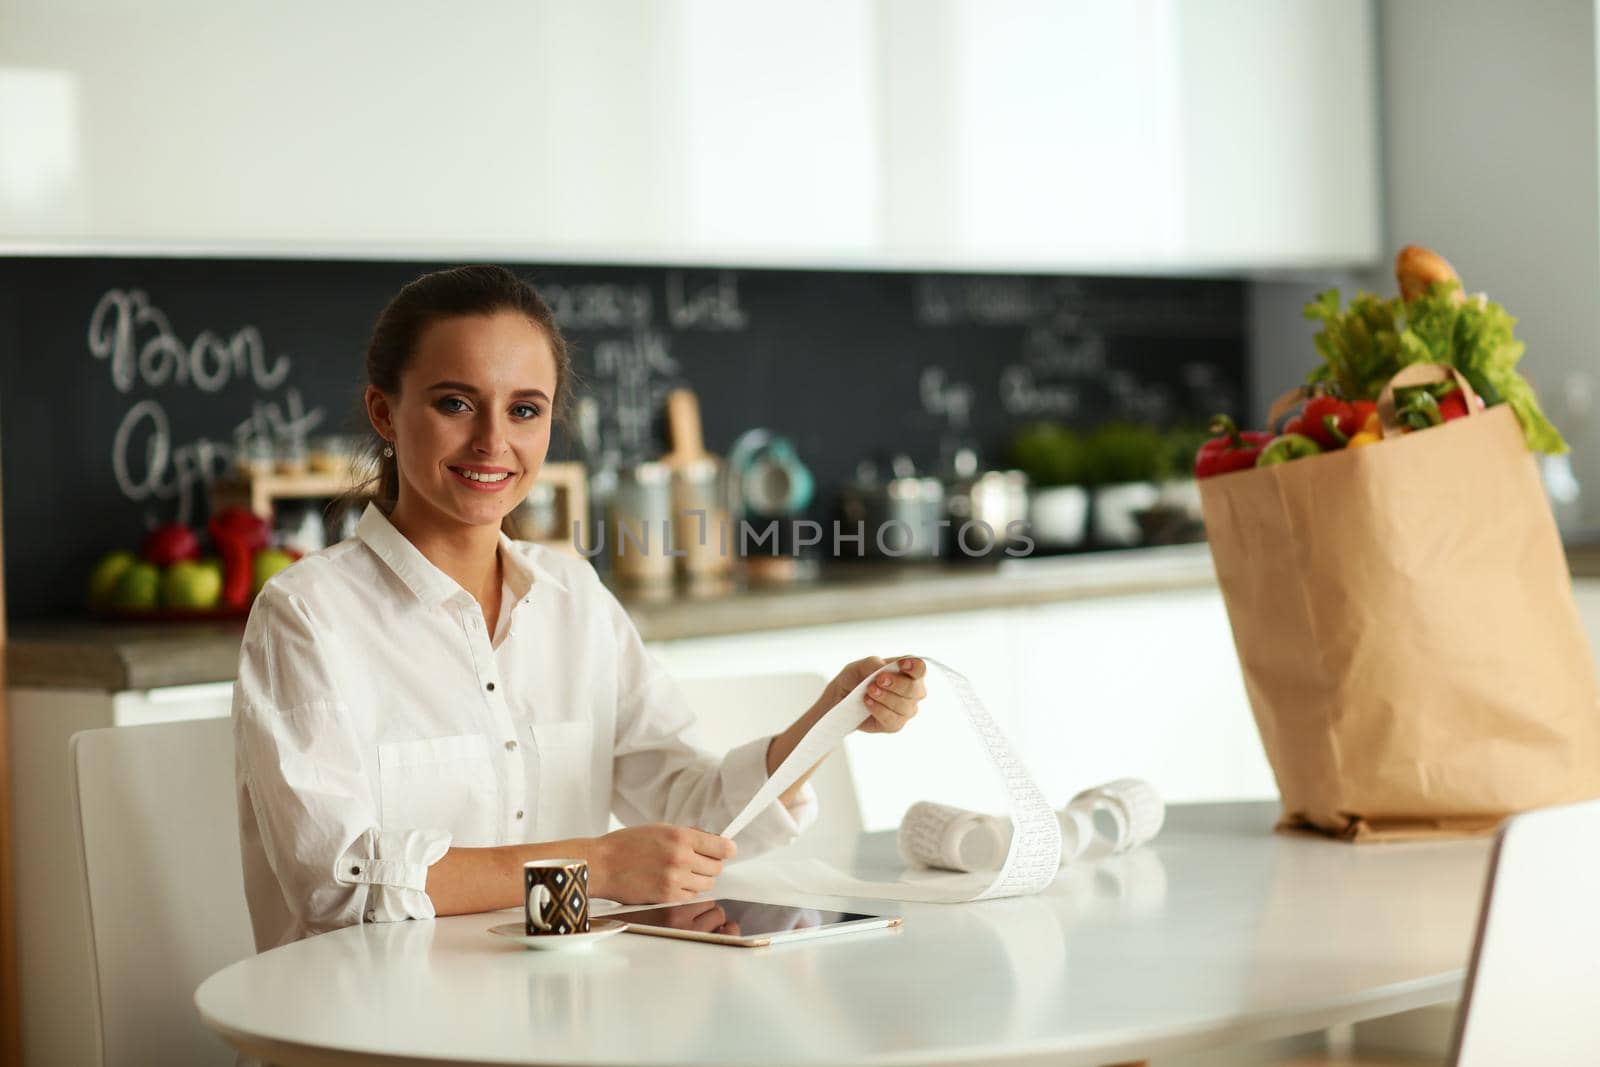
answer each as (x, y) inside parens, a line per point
(259, 492)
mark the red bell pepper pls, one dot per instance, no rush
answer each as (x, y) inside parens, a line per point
(237, 533)
(1327, 420)
(1453, 405)
(1230, 450)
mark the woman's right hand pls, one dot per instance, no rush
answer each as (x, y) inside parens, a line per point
(656, 864)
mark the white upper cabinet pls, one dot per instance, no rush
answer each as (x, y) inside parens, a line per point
(1146, 134)
(1038, 134)
(1279, 155)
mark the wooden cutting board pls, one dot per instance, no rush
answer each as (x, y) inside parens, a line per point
(683, 430)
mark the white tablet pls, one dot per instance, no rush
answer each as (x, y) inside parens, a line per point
(745, 922)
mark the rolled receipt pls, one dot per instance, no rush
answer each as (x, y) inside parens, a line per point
(1033, 854)
(954, 839)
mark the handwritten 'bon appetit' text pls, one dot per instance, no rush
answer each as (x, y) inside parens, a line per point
(140, 348)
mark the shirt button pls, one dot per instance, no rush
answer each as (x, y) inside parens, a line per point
(519, 814)
(372, 916)
(355, 870)
(511, 746)
(491, 687)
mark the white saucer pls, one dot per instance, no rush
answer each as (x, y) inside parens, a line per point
(599, 930)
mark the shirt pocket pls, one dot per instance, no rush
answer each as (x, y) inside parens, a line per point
(441, 783)
(564, 778)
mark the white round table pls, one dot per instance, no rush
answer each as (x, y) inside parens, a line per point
(1219, 932)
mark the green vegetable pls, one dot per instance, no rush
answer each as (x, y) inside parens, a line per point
(1050, 454)
(1128, 452)
(1366, 344)
(1289, 446)
(1182, 443)
(1360, 346)
(1476, 338)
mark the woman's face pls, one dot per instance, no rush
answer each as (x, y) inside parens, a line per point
(471, 424)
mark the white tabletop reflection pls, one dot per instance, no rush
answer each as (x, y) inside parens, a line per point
(1220, 931)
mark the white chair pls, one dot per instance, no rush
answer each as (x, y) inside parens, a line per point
(159, 840)
(733, 710)
(1533, 988)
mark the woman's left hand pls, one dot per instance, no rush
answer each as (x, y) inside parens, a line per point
(891, 702)
(892, 698)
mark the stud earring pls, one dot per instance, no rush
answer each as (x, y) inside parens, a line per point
(388, 451)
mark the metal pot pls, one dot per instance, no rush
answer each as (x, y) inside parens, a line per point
(638, 524)
(700, 527)
(898, 518)
(537, 518)
(988, 511)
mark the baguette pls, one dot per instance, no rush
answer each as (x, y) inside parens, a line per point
(1417, 269)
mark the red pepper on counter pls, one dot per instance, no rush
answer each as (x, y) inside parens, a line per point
(237, 533)
(1230, 450)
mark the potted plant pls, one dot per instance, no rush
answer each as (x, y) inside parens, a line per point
(1175, 518)
(1125, 462)
(1055, 459)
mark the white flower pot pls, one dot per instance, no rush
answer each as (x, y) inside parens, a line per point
(1115, 508)
(1058, 516)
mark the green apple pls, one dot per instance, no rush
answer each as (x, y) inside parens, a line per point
(265, 564)
(103, 579)
(191, 586)
(138, 588)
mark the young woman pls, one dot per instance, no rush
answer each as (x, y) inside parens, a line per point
(425, 706)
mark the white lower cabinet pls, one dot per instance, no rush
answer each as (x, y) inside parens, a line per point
(1090, 690)
(1139, 686)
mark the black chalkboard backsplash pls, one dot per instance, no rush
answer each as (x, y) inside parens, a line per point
(126, 384)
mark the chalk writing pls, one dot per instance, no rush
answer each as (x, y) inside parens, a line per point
(149, 467)
(1000, 301)
(599, 306)
(1021, 394)
(637, 371)
(710, 306)
(942, 397)
(207, 363)
(140, 348)
(1054, 371)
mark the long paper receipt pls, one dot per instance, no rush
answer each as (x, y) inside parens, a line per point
(1034, 855)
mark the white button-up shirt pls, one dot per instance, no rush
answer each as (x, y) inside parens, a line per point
(377, 723)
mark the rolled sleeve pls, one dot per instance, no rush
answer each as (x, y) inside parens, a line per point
(394, 868)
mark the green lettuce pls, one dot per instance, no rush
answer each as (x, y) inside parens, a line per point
(1366, 344)
(1360, 346)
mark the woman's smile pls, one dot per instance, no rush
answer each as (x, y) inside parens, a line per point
(483, 479)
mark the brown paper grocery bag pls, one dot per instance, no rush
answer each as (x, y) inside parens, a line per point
(1404, 619)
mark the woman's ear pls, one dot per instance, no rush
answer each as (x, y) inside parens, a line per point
(377, 403)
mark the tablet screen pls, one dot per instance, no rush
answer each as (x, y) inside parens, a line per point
(737, 918)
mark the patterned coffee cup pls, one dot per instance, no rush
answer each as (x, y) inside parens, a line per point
(555, 895)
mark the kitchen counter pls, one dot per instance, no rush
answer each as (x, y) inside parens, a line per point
(1583, 560)
(137, 656)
